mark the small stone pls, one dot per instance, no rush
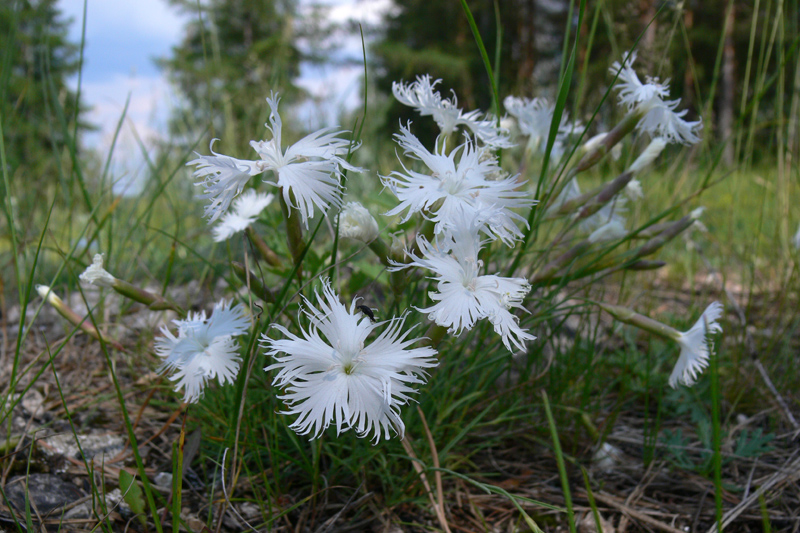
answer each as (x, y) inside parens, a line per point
(45, 491)
(163, 479)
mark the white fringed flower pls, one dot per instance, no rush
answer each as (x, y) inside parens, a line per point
(331, 376)
(659, 117)
(308, 172)
(457, 189)
(534, 117)
(463, 295)
(203, 348)
(356, 222)
(428, 102)
(96, 274)
(695, 347)
(246, 209)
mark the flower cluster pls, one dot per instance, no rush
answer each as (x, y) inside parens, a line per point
(347, 370)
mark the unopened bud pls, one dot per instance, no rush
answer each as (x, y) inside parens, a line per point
(593, 143)
(49, 296)
(649, 155)
(356, 222)
(628, 316)
(68, 313)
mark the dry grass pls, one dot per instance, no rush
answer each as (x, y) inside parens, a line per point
(630, 492)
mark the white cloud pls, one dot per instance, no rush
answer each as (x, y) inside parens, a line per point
(124, 36)
(144, 18)
(145, 122)
(333, 90)
(365, 11)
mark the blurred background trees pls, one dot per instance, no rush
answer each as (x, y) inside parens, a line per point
(232, 53)
(702, 47)
(36, 105)
(716, 53)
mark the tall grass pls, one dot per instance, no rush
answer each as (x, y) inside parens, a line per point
(560, 400)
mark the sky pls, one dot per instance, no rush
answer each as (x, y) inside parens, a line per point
(124, 37)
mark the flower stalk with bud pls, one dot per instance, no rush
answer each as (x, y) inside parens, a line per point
(96, 275)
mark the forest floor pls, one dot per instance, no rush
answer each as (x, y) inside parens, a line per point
(638, 482)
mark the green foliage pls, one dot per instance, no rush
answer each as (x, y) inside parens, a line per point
(481, 401)
(132, 494)
(36, 106)
(681, 449)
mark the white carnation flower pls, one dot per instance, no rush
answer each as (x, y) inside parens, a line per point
(246, 209)
(534, 117)
(428, 102)
(695, 347)
(457, 188)
(463, 295)
(308, 172)
(204, 348)
(332, 376)
(659, 116)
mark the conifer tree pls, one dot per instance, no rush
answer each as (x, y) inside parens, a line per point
(37, 107)
(232, 54)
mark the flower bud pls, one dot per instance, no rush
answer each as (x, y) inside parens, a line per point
(72, 317)
(649, 155)
(356, 222)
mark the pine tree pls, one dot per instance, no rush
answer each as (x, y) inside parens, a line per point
(233, 54)
(37, 106)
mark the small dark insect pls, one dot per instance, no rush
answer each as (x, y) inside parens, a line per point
(367, 311)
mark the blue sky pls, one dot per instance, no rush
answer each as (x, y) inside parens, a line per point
(123, 37)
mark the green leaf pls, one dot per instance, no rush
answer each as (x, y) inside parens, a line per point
(132, 494)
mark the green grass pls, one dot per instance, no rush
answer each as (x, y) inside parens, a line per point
(500, 424)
